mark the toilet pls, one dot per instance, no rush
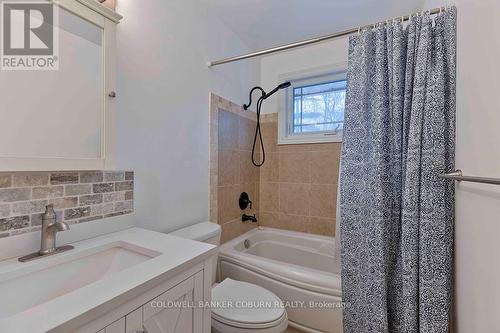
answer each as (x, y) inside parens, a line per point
(237, 319)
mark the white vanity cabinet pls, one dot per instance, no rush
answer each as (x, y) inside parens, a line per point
(128, 281)
(160, 316)
(116, 327)
(175, 310)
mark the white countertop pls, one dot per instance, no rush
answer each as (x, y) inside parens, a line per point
(176, 254)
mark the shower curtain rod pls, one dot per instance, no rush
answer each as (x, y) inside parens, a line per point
(312, 40)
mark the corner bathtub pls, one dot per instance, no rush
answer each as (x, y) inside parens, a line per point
(298, 267)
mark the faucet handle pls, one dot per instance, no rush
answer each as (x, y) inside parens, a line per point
(50, 213)
(244, 201)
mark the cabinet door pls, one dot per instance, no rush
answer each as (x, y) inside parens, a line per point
(116, 327)
(133, 321)
(176, 311)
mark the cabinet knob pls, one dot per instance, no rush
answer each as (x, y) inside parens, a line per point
(112, 94)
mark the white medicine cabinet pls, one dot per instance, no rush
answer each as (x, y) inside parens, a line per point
(60, 118)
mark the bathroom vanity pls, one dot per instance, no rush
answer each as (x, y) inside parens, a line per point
(134, 280)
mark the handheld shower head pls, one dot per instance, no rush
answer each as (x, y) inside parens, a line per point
(280, 86)
(264, 95)
(258, 133)
(284, 85)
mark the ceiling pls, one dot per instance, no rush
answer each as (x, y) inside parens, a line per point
(266, 23)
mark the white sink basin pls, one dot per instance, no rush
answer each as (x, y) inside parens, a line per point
(47, 278)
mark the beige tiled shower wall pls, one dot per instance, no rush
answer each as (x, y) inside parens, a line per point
(298, 183)
(296, 189)
(77, 196)
(231, 169)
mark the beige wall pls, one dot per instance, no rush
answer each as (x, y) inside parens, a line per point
(296, 189)
(298, 184)
(231, 171)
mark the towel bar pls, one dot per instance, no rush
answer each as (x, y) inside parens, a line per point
(458, 176)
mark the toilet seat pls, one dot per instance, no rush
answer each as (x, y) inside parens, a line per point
(247, 307)
(250, 326)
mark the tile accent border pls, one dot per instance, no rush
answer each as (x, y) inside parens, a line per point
(216, 103)
(218, 189)
(77, 196)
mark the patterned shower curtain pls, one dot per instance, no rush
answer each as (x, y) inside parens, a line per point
(397, 215)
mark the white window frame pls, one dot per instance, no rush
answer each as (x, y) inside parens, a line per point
(335, 72)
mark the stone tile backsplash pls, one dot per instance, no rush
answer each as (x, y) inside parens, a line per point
(77, 196)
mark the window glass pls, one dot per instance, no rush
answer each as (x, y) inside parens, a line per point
(319, 107)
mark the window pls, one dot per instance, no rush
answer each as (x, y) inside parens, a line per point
(314, 109)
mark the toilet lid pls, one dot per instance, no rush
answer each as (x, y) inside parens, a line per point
(245, 303)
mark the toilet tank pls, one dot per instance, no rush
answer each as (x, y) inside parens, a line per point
(206, 232)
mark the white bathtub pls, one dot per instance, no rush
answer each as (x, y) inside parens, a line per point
(298, 267)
